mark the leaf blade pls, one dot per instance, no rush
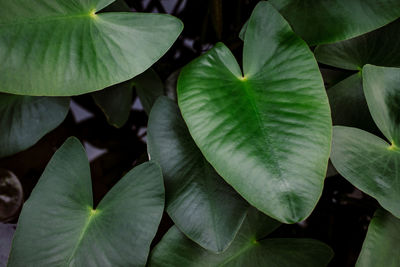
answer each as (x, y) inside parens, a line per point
(198, 200)
(24, 120)
(78, 235)
(79, 51)
(244, 124)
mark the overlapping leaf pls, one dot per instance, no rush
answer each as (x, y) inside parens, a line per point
(319, 22)
(380, 47)
(367, 161)
(24, 120)
(348, 104)
(267, 133)
(115, 102)
(328, 21)
(250, 248)
(64, 47)
(148, 88)
(198, 200)
(58, 225)
(381, 246)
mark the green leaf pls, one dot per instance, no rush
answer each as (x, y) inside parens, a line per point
(243, 30)
(328, 21)
(148, 88)
(24, 120)
(382, 91)
(64, 47)
(171, 85)
(267, 133)
(115, 102)
(348, 104)
(59, 227)
(249, 248)
(198, 200)
(380, 47)
(367, 161)
(117, 6)
(381, 246)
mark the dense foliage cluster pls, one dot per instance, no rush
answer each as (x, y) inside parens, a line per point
(239, 141)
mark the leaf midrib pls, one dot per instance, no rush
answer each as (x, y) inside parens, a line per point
(90, 219)
(41, 19)
(238, 253)
(251, 99)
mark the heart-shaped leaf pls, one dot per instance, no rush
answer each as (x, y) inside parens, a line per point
(198, 200)
(24, 120)
(381, 246)
(65, 48)
(380, 47)
(250, 248)
(367, 161)
(267, 133)
(59, 227)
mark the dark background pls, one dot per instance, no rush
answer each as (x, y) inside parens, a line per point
(342, 215)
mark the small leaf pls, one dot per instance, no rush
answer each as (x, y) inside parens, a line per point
(58, 225)
(380, 47)
(249, 248)
(24, 120)
(267, 133)
(330, 21)
(115, 102)
(66, 48)
(148, 88)
(171, 83)
(348, 104)
(381, 246)
(198, 200)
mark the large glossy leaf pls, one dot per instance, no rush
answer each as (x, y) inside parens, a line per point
(381, 246)
(115, 102)
(267, 133)
(348, 104)
(367, 161)
(249, 248)
(64, 47)
(58, 225)
(25, 119)
(380, 47)
(328, 21)
(198, 200)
